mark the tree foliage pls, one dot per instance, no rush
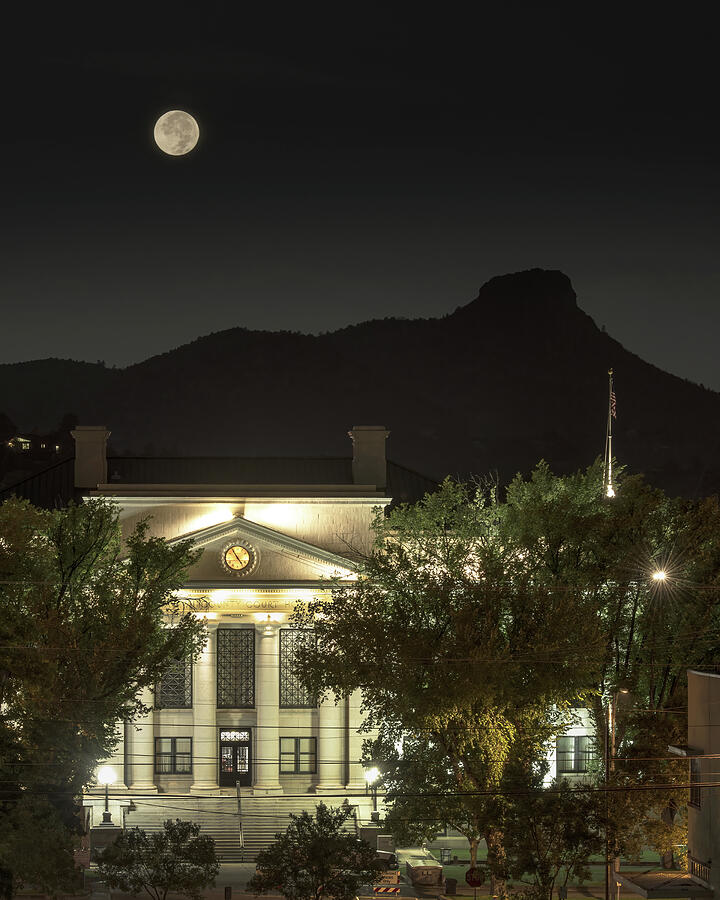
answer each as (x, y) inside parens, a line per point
(551, 835)
(177, 859)
(467, 654)
(481, 623)
(654, 630)
(82, 633)
(36, 841)
(316, 858)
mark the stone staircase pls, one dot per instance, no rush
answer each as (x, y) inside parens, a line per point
(217, 817)
(261, 818)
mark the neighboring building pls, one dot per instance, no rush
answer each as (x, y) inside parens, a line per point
(702, 880)
(704, 752)
(574, 755)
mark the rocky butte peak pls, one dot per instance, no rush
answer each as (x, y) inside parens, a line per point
(529, 293)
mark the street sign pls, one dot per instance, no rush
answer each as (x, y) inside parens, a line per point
(475, 876)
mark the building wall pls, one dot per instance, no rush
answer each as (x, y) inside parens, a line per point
(704, 738)
(581, 727)
(339, 525)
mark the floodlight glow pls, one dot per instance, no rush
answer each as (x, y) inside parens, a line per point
(372, 775)
(610, 491)
(106, 775)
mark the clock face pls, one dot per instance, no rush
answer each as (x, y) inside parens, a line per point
(237, 558)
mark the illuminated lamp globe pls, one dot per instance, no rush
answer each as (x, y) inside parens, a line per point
(372, 775)
(106, 775)
(659, 575)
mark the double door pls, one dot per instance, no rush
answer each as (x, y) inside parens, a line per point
(235, 757)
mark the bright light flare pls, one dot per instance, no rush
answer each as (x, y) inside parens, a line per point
(372, 775)
(106, 775)
(659, 575)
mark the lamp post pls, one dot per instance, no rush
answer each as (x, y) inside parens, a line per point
(610, 865)
(371, 779)
(106, 776)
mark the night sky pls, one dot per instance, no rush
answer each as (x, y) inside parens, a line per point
(356, 161)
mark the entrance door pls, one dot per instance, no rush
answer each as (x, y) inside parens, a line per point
(235, 758)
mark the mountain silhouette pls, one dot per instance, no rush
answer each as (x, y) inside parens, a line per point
(517, 375)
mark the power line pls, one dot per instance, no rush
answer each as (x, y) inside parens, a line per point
(528, 792)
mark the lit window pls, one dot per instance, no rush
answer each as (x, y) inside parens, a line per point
(298, 755)
(573, 754)
(173, 755)
(293, 693)
(174, 690)
(236, 668)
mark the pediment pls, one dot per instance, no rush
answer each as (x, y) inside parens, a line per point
(276, 557)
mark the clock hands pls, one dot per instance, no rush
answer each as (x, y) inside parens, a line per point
(237, 557)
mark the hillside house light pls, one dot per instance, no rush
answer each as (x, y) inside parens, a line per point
(106, 776)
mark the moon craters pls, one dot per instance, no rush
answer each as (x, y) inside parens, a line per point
(176, 132)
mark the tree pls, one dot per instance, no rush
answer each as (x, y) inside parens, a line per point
(82, 633)
(176, 859)
(483, 618)
(551, 835)
(655, 629)
(316, 858)
(35, 838)
(467, 654)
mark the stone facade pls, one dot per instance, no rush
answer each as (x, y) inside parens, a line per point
(236, 721)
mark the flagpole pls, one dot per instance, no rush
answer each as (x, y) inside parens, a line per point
(607, 469)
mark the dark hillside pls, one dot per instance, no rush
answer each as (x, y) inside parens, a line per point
(518, 374)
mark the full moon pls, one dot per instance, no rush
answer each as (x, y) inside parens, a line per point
(176, 132)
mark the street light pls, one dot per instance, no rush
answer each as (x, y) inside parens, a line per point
(106, 776)
(659, 575)
(372, 776)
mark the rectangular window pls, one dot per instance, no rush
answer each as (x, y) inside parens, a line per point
(573, 754)
(293, 693)
(236, 668)
(298, 755)
(695, 781)
(174, 690)
(173, 755)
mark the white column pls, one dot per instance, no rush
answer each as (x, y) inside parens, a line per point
(205, 745)
(331, 745)
(142, 749)
(267, 705)
(356, 778)
(117, 758)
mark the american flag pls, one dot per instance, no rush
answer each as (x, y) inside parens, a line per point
(613, 405)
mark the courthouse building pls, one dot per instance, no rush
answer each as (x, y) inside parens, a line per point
(233, 740)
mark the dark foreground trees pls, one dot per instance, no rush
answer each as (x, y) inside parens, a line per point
(315, 858)
(177, 859)
(477, 625)
(82, 632)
